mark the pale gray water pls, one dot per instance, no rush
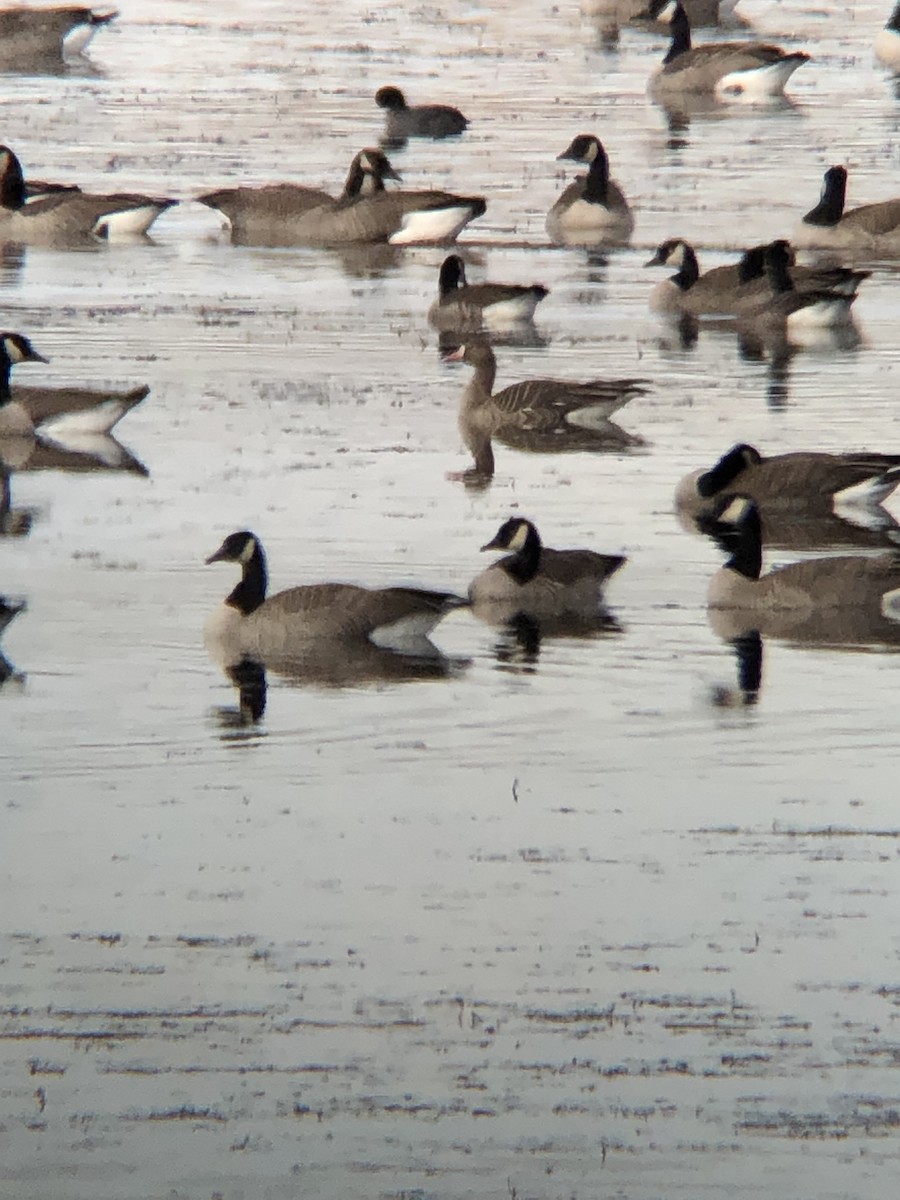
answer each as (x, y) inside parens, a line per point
(539, 928)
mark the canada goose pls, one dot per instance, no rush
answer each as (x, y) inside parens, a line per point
(403, 121)
(465, 307)
(73, 409)
(837, 599)
(537, 581)
(32, 34)
(592, 209)
(285, 214)
(66, 215)
(874, 227)
(270, 629)
(721, 290)
(730, 70)
(808, 483)
(783, 303)
(549, 409)
(887, 41)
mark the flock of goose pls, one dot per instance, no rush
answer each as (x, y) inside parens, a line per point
(733, 502)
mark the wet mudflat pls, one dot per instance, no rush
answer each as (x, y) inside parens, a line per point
(552, 920)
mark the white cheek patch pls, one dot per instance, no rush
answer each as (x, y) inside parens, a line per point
(735, 511)
(365, 163)
(248, 551)
(592, 152)
(13, 350)
(676, 258)
(519, 538)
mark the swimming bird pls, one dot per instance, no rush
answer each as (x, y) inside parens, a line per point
(887, 41)
(871, 227)
(747, 71)
(723, 290)
(65, 215)
(808, 483)
(29, 35)
(781, 303)
(537, 581)
(404, 121)
(466, 307)
(836, 599)
(593, 209)
(248, 623)
(81, 410)
(552, 411)
(287, 214)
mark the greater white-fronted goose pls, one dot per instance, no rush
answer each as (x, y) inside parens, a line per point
(549, 410)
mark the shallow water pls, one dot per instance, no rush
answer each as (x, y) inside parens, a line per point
(565, 921)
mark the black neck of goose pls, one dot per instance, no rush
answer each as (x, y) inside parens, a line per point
(681, 35)
(752, 264)
(251, 591)
(722, 475)
(830, 208)
(360, 182)
(596, 186)
(894, 22)
(450, 278)
(5, 368)
(746, 547)
(12, 186)
(689, 271)
(523, 565)
(777, 270)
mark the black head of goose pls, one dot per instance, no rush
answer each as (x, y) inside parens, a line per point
(65, 215)
(285, 214)
(267, 628)
(593, 209)
(55, 411)
(874, 227)
(743, 71)
(404, 121)
(36, 35)
(538, 581)
(887, 41)
(469, 307)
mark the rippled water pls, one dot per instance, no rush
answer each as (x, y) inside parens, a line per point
(558, 921)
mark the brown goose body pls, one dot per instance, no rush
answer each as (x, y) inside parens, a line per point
(548, 411)
(29, 35)
(871, 227)
(536, 581)
(288, 215)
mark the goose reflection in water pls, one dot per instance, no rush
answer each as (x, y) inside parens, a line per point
(8, 610)
(539, 416)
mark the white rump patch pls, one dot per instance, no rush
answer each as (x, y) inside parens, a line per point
(409, 635)
(432, 225)
(509, 312)
(98, 419)
(890, 605)
(128, 223)
(760, 83)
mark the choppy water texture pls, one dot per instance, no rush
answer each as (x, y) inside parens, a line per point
(553, 921)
